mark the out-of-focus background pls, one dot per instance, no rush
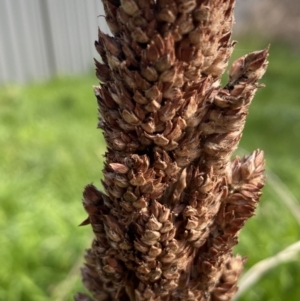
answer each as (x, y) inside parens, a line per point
(50, 147)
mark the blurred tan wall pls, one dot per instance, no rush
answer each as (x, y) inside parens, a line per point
(43, 38)
(273, 19)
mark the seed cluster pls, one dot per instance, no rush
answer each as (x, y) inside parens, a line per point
(174, 203)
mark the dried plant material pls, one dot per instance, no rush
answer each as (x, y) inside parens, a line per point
(174, 203)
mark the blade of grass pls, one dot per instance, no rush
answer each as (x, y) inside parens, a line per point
(62, 290)
(284, 194)
(263, 266)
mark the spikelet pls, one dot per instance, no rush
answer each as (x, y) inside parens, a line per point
(174, 203)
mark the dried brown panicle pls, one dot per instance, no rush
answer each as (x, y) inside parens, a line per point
(174, 203)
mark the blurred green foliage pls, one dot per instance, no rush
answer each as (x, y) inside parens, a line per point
(50, 149)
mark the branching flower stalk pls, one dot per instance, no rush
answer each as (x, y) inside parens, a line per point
(174, 203)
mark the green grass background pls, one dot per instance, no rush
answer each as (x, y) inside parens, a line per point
(50, 149)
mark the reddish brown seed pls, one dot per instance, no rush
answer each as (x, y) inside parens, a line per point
(129, 7)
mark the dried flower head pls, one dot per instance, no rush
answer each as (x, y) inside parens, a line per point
(174, 203)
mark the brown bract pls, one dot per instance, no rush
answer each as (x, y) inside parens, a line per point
(174, 203)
